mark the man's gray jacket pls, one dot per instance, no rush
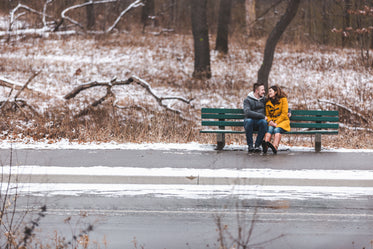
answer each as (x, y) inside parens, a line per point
(254, 108)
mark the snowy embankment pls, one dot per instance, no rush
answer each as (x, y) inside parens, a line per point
(65, 144)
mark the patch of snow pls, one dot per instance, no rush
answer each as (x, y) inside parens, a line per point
(182, 172)
(29, 143)
(194, 191)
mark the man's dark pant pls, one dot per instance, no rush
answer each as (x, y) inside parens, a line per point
(251, 125)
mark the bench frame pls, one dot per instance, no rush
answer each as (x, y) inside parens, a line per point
(306, 122)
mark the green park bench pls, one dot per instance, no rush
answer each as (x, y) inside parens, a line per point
(303, 122)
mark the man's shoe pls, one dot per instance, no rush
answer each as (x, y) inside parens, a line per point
(273, 148)
(264, 146)
(257, 149)
(251, 148)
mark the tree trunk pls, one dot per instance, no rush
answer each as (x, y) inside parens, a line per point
(90, 15)
(147, 11)
(325, 22)
(273, 39)
(173, 13)
(250, 16)
(346, 20)
(202, 67)
(223, 26)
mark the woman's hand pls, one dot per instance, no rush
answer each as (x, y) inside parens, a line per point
(271, 123)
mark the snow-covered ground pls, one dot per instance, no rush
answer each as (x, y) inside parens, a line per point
(195, 191)
(28, 143)
(315, 78)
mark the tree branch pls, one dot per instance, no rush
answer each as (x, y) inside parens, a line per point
(25, 85)
(345, 108)
(18, 103)
(133, 5)
(13, 18)
(83, 87)
(109, 93)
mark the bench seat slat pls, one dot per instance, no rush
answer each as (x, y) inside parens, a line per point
(314, 112)
(314, 119)
(222, 131)
(220, 110)
(293, 125)
(222, 123)
(314, 125)
(330, 132)
(222, 116)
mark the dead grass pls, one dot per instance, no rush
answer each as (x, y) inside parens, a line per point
(166, 62)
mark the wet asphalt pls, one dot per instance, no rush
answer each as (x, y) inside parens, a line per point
(190, 159)
(147, 221)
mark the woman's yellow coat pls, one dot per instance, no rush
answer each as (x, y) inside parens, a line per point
(279, 113)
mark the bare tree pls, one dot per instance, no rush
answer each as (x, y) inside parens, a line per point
(273, 39)
(202, 68)
(223, 26)
(250, 15)
(91, 20)
(147, 12)
(346, 20)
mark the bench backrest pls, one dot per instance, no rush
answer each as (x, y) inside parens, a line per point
(310, 119)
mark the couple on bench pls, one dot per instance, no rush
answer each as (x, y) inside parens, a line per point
(269, 115)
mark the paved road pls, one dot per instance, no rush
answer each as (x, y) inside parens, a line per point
(182, 216)
(190, 159)
(191, 223)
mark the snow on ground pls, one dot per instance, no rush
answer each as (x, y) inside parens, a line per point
(65, 144)
(182, 172)
(331, 75)
(243, 192)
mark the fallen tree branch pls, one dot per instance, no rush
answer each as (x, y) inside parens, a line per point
(17, 86)
(344, 108)
(137, 107)
(27, 83)
(355, 128)
(10, 84)
(14, 17)
(133, 5)
(18, 103)
(146, 85)
(83, 87)
(57, 23)
(109, 94)
(159, 99)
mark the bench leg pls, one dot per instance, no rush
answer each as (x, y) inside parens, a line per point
(220, 138)
(318, 142)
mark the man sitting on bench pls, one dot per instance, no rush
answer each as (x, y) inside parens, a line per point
(255, 118)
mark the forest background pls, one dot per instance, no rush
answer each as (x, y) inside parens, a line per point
(323, 61)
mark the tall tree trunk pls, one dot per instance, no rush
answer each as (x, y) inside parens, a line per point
(173, 11)
(90, 15)
(325, 22)
(202, 67)
(309, 20)
(250, 16)
(346, 20)
(223, 26)
(147, 11)
(273, 39)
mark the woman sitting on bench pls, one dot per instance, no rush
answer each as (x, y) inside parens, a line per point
(277, 118)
